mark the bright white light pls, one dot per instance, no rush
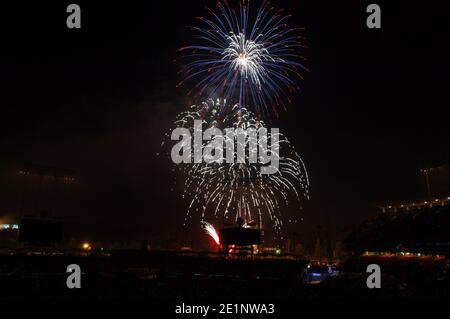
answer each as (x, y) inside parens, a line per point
(211, 231)
(242, 60)
(247, 57)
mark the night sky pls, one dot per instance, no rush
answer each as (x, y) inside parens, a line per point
(372, 112)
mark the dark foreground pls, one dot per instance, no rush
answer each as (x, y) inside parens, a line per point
(174, 276)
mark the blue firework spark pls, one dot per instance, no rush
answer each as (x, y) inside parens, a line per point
(252, 60)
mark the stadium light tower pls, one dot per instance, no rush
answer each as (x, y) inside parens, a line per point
(427, 172)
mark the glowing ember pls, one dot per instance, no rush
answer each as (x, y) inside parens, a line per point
(211, 231)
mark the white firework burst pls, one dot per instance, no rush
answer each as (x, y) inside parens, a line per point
(248, 58)
(229, 191)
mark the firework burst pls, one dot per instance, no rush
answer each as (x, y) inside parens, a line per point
(247, 61)
(211, 231)
(229, 191)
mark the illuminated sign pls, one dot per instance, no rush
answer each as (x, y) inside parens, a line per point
(9, 226)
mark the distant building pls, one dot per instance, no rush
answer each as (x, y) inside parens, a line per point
(416, 227)
(40, 231)
(8, 235)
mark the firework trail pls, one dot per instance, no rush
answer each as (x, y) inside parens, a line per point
(247, 61)
(230, 191)
(211, 231)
